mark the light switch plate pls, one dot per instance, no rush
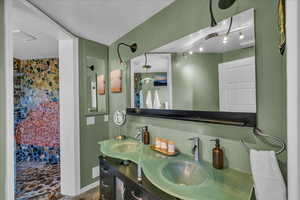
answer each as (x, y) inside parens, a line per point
(95, 172)
(90, 121)
(106, 118)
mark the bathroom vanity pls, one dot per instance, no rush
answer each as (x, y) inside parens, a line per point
(119, 182)
(165, 178)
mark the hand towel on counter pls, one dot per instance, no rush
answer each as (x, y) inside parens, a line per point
(149, 100)
(268, 181)
(156, 104)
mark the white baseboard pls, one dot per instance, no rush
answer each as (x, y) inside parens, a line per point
(89, 187)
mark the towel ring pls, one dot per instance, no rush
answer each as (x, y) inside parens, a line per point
(258, 132)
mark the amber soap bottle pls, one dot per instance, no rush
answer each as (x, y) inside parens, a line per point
(218, 155)
(146, 135)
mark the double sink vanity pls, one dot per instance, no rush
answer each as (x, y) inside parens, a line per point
(163, 177)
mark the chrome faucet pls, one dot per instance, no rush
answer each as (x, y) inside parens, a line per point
(140, 133)
(196, 147)
(140, 136)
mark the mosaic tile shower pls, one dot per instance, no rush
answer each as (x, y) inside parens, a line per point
(36, 110)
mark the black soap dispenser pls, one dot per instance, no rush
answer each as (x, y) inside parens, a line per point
(218, 155)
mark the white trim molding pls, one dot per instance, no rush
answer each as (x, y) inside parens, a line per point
(69, 117)
(293, 97)
(10, 143)
(89, 187)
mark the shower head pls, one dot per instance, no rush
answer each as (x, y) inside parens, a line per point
(224, 4)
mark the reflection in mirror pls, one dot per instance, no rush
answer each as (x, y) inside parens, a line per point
(210, 70)
(96, 88)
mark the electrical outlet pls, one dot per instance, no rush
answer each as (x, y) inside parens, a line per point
(95, 172)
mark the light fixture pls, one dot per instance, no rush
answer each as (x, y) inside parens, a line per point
(225, 38)
(223, 4)
(16, 31)
(146, 66)
(201, 49)
(213, 21)
(242, 36)
(225, 41)
(191, 52)
(132, 47)
(92, 67)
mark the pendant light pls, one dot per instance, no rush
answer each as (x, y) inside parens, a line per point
(146, 67)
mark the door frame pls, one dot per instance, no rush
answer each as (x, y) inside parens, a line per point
(69, 105)
(293, 97)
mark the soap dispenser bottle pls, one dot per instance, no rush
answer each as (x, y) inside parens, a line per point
(146, 135)
(218, 155)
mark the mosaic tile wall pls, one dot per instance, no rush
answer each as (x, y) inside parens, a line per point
(36, 107)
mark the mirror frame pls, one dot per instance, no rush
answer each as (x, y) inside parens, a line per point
(224, 118)
(87, 112)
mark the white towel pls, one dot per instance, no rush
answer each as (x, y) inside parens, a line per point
(268, 181)
(156, 104)
(149, 100)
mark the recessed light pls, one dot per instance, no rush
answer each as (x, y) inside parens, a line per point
(225, 38)
(201, 49)
(191, 52)
(242, 36)
(16, 31)
(225, 41)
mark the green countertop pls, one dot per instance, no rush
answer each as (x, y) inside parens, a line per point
(226, 184)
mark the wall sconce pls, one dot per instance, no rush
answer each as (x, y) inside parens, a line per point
(223, 4)
(132, 47)
(92, 67)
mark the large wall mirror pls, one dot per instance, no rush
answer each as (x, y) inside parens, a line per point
(209, 71)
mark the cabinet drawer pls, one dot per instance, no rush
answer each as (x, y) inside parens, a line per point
(134, 192)
(106, 183)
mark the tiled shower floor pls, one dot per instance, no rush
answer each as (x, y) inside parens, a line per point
(36, 181)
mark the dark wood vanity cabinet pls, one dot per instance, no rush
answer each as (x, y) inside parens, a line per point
(113, 172)
(107, 181)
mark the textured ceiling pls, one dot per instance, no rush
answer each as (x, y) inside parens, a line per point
(103, 21)
(31, 36)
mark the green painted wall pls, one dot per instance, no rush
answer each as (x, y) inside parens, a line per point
(2, 103)
(184, 17)
(89, 135)
(238, 54)
(195, 82)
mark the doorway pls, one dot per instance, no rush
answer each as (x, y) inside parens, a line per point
(42, 103)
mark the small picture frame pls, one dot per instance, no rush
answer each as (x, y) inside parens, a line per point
(116, 81)
(101, 84)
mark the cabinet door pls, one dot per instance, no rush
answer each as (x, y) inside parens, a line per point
(107, 182)
(134, 192)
